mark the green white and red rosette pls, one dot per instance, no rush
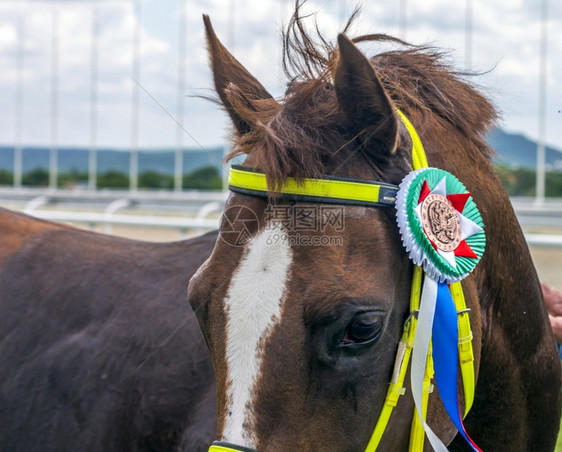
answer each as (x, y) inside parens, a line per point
(443, 262)
(443, 232)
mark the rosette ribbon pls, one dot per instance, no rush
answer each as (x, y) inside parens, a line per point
(443, 233)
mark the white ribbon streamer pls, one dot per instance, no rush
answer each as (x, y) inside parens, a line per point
(419, 354)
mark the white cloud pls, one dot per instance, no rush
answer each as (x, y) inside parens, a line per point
(74, 42)
(505, 39)
(8, 37)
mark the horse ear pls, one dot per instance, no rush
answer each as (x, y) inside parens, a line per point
(228, 71)
(364, 101)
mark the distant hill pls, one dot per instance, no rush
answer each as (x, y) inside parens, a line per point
(517, 151)
(512, 150)
(74, 158)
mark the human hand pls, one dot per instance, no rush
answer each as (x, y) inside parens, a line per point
(553, 300)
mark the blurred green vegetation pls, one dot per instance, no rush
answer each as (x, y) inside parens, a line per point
(38, 177)
(204, 178)
(72, 178)
(112, 179)
(6, 177)
(517, 182)
(154, 179)
(521, 182)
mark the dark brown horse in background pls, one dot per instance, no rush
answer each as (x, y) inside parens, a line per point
(99, 350)
(304, 337)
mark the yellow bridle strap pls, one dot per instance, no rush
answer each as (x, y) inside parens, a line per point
(215, 448)
(466, 360)
(329, 190)
(220, 446)
(417, 432)
(405, 346)
(395, 389)
(419, 159)
(466, 353)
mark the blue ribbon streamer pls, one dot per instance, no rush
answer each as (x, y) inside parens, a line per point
(445, 356)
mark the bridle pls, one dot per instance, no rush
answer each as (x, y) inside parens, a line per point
(334, 190)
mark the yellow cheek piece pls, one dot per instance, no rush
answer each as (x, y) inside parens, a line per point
(366, 193)
(466, 354)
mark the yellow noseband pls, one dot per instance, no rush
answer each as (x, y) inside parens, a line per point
(220, 446)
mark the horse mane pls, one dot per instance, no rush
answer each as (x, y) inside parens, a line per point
(301, 135)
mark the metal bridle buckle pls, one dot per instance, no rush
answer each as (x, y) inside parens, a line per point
(414, 313)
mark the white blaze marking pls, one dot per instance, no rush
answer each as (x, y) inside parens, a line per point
(253, 307)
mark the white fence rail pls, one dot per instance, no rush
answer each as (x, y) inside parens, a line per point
(198, 211)
(199, 223)
(153, 221)
(546, 240)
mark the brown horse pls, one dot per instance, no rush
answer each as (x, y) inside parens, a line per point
(304, 336)
(98, 347)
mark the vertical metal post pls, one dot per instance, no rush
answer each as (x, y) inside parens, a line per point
(230, 43)
(92, 162)
(468, 21)
(180, 96)
(280, 73)
(53, 157)
(18, 161)
(543, 66)
(403, 22)
(134, 156)
(231, 24)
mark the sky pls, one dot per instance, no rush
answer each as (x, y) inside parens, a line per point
(505, 44)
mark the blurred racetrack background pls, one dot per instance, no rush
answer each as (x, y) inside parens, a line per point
(105, 122)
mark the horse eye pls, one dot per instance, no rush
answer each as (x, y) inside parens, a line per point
(364, 329)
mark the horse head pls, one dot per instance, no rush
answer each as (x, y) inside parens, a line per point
(302, 303)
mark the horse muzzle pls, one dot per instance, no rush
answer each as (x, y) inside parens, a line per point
(221, 446)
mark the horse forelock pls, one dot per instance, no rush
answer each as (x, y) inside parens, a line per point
(304, 134)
